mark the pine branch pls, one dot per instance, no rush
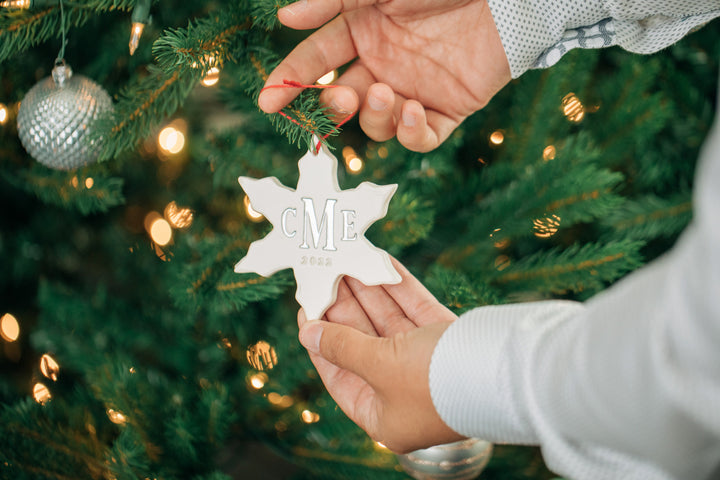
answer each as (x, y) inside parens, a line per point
(81, 190)
(576, 269)
(308, 118)
(456, 291)
(204, 44)
(571, 186)
(22, 29)
(264, 12)
(650, 217)
(211, 280)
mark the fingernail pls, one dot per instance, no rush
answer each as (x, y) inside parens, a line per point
(408, 119)
(337, 108)
(376, 104)
(310, 334)
(297, 7)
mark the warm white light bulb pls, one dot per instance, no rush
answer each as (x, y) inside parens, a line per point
(136, 32)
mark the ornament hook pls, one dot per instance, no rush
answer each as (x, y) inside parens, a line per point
(61, 73)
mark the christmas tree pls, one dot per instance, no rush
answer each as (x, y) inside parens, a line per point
(130, 348)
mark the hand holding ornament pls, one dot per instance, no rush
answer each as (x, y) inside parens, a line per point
(373, 354)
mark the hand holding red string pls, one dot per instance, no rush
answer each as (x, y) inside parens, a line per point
(420, 66)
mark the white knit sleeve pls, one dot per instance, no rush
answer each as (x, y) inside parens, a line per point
(625, 386)
(537, 33)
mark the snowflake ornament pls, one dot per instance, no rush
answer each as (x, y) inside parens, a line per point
(318, 231)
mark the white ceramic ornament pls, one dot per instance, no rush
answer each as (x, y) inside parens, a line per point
(318, 231)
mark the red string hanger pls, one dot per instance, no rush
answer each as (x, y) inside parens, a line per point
(294, 84)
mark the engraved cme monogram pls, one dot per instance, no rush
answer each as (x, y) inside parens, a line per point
(318, 231)
(308, 222)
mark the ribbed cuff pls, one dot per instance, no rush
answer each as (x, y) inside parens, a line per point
(477, 368)
(469, 381)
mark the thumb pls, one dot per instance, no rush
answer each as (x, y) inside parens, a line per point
(343, 346)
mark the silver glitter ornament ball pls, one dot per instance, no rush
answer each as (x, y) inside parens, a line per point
(463, 460)
(57, 116)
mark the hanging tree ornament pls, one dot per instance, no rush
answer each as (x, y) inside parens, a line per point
(318, 231)
(57, 117)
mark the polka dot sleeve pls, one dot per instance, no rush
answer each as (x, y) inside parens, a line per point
(537, 33)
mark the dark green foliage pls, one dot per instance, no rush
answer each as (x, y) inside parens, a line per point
(160, 334)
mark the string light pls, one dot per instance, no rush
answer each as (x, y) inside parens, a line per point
(49, 367)
(178, 217)
(140, 17)
(352, 161)
(158, 228)
(136, 32)
(252, 214)
(9, 328)
(116, 417)
(328, 78)
(262, 355)
(573, 108)
(4, 114)
(89, 182)
(171, 139)
(212, 77)
(549, 153)
(497, 137)
(309, 417)
(380, 446)
(41, 393)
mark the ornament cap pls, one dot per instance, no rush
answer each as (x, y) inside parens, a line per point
(61, 73)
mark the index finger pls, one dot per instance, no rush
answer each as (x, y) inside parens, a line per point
(323, 51)
(313, 13)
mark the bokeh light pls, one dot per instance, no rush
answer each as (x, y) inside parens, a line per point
(4, 114)
(158, 228)
(549, 152)
(258, 380)
(49, 367)
(251, 213)
(212, 77)
(309, 417)
(497, 137)
(353, 162)
(546, 227)
(328, 78)
(116, 417)
(41, 393)
(178, 217)
(171, 139)
(20, 4)
(9, 328)
(573, 108)
(262, 355)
